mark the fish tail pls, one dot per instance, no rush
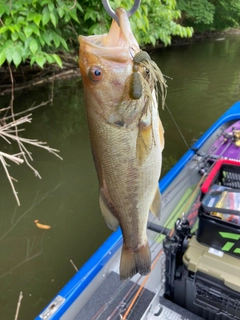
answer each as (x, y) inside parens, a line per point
(137, 261)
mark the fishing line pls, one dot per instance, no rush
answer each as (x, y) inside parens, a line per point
(179, 130)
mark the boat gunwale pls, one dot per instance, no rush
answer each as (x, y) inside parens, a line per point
(98, 260)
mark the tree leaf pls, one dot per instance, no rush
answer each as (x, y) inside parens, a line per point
(45, 18)
(2, 57)
(33, 46)
(2, 9)
(9, 53)
(79, 7)
(14, 36)
(22, 36)
(35, 29)
(37, 18)
(50, 58)
(60, 12)
(30, 16)
(3, 29)
(53, 19)
(11, 28)
(27, 31)
(57, 59)
(64, 43)
(46, 37)
(56, 39)
(51, 6)
(40, 60)
(33, 59)
(17, 58)
(74, 16)
(41, 40)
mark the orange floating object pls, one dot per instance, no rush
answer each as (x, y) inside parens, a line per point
(42, 226)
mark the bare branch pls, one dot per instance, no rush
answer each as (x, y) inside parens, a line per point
(74, 266)
(9, 133)
(4, 164)
(18, 305)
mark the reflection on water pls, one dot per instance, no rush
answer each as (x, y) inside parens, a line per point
(205, 82)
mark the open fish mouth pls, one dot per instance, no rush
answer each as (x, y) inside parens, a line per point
(111, 46)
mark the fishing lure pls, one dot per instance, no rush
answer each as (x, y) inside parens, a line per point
(145, 77)
(136, 87)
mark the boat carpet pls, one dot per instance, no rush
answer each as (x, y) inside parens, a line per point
(105, 296)
(104, 303)
(173, 309)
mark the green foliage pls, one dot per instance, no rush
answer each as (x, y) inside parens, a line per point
(210, 15)
(155, 20)
(34, 29)
(199, 11)
(227, 14)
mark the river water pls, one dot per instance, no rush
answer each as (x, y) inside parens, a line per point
(204, 80)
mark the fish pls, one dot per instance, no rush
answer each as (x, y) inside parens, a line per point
(126, 135)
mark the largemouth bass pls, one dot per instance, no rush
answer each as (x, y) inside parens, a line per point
(126, 135)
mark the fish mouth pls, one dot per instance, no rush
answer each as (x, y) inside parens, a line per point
(118, 45)
(121, 35)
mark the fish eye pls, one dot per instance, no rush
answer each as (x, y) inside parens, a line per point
(95, 73)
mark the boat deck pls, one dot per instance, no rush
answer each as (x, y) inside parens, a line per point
(107, 306)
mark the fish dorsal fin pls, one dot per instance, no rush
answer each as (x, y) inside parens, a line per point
(108, 216)
(156, 204)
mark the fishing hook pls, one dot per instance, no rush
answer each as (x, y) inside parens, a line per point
(112, 13)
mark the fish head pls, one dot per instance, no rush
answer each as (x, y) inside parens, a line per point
(106, 63)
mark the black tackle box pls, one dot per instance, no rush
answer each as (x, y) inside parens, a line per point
(219, 213)
(209, 284)
(201, 279)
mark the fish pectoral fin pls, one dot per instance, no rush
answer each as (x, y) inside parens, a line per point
(144, 143)
(156, 204)
(161, 134)
(108, 216)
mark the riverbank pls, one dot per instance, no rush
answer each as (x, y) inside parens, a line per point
(26, 76)
(176, 41)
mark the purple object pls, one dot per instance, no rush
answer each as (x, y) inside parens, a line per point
(225, 145)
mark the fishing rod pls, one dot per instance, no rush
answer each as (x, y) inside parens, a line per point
(112, 13)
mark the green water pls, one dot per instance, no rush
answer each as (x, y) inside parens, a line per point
(205, 82)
